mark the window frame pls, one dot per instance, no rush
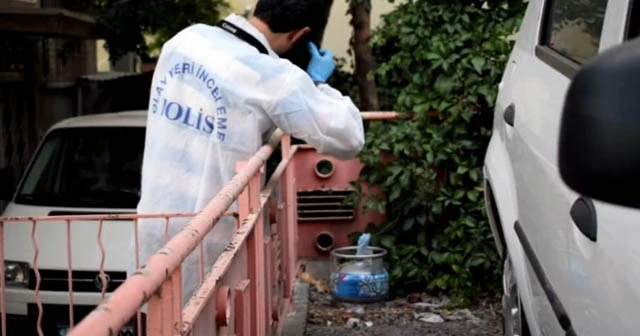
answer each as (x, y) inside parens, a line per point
(563, 64)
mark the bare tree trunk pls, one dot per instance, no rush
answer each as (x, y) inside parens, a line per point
(361, 23)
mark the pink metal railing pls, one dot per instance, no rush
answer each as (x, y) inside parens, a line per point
(69, 222)
(248, 290)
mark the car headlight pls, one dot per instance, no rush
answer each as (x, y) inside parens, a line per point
(16, 273)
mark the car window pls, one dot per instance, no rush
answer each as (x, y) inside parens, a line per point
(573, 27)
(86, 167)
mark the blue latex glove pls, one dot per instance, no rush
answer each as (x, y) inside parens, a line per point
(321, 65)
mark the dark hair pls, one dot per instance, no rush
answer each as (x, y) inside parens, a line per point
(283, 16)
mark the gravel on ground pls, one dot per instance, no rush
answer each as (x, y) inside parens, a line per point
(416, 315)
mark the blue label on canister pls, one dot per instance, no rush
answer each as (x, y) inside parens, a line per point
(360, 285)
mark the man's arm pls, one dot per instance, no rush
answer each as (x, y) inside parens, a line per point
(319, 115)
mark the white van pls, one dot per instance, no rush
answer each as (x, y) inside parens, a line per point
(570, 262)
(84, 165)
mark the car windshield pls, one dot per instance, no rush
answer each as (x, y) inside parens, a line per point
(95, 167)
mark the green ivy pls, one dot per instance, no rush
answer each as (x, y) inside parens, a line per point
(441, 60)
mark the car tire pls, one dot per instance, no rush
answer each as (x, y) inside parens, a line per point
(514, 321)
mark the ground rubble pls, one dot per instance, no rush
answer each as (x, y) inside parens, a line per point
(417, 314)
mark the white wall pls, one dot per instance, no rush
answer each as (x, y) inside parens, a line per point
(339, 30)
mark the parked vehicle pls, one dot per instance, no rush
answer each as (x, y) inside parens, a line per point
(570, 262)
(84, 165)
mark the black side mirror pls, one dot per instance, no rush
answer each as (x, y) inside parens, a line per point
(7, 184)
(599, 153)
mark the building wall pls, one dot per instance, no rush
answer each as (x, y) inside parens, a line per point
(37, 86)
(338, 31)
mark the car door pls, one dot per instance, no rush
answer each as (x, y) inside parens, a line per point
(568, 36)
(604, 254)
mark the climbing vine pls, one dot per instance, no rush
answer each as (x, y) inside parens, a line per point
(440, 60)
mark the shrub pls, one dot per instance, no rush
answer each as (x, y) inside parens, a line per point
(441, 60)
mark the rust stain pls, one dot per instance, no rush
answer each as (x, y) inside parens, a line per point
(215, 221)
(194, 231)
(102, 308)
(145, 297)
(165, 251)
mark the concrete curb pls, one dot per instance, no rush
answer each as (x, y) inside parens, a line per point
(296, 321)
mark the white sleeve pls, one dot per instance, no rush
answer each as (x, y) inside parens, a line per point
(321, 116)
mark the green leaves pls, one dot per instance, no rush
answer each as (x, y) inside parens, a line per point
(442, 60)
(478, 63)
(387, 241)
(444, 84)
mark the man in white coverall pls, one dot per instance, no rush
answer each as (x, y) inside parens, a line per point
(218, 92)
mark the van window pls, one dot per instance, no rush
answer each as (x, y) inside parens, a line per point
(86, 167)
(573, 27)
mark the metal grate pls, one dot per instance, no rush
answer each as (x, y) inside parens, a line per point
(325, 205)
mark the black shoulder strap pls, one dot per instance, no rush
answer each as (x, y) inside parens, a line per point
(243, 35)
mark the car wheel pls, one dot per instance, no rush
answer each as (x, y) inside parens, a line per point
(514, 321)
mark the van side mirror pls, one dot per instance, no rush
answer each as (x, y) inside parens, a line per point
(7, 184)
(599, 147)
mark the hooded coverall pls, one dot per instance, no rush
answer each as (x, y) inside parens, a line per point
(214, 101)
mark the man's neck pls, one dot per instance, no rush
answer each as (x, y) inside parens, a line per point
(262, 27)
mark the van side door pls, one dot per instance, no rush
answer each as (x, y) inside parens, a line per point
(569, 35)
(603, 249)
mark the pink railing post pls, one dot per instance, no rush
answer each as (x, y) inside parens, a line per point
(290, 219)
(242, 308)
(36, 252)
(250, 200)
(164, 315)
(245, 202)
(176, 301)
(266, 277)
(154, 313)
(260, 257)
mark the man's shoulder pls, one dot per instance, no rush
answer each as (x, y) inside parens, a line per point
(195, 30)
(199, 42)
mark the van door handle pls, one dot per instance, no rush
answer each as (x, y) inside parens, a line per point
(510, 115)
(583, 214)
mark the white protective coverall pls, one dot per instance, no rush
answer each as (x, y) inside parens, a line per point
(215, 100)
